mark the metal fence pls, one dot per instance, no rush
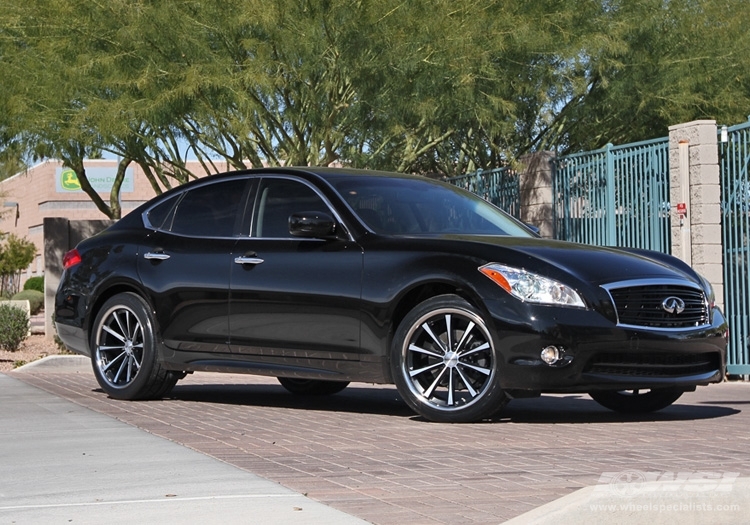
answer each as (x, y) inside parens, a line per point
(500, 186)
(734, 151)
(615, 196)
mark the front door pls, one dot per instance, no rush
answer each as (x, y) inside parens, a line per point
(294, 302)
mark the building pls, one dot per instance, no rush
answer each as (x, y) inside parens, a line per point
(50, 190)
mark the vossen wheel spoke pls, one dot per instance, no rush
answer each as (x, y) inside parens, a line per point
(481, 370)
(448, 332)
(116, 379)
(450, 387)
(113, 361)
(413, 373)
(434, 385)
(114, 334)
(123, 329)
(471, 390)
(436, 339)
(480, 348)
(466, 338)
(415, 348)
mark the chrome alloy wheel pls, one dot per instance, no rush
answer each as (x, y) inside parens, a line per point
(119, 346)
(449, 361)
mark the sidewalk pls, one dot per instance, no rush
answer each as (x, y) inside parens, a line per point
(360, 452)
(61, 463)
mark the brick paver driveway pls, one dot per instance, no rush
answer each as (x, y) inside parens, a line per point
(362, 451)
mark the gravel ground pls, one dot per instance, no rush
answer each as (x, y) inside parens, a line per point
(33, 348)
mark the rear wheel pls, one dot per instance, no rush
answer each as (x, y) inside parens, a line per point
(123, 351)
(636, 401)
(312, 387)
(445, 363)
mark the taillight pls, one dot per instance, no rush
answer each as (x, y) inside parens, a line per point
(71, 258)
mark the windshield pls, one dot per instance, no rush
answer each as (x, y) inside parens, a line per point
(413, 206)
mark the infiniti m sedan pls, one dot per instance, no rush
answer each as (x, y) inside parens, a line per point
(321, 277)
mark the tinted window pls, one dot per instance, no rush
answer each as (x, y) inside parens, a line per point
(392, 205)
(209, 211)
(159, 213)
(277, 200)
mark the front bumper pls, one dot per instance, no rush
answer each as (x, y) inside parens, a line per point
(600, 355)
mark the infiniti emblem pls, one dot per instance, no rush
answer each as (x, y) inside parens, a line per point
(673, 305)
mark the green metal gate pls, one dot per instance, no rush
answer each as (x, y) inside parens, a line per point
(734, 149)
(500, 186)
(615, 196)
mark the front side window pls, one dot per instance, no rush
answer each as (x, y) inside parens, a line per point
(277, 200)
(210, 210)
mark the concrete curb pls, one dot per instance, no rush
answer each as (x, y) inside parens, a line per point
(58, 363)
(701, 498)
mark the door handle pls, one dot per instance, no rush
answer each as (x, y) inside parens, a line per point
(158, 256)
(249, 258)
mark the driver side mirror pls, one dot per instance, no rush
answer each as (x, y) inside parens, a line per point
(312, 225)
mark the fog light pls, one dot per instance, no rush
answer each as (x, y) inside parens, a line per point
(551, 355)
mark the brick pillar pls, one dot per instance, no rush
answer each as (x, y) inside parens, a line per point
(536, 192)
(696, 236)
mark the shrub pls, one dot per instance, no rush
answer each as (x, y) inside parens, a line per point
(36, 299)
(34, 283)
(14, 327)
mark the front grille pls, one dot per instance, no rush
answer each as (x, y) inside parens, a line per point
(643, 306)
(653, 365)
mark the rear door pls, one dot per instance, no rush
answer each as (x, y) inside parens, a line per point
(186, 264)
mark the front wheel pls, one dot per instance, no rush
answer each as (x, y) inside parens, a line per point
(312, 387)
(636, 401)
(123, 351)
(445, 363)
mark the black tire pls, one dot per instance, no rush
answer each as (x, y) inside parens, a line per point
(312, 387)
(123, 351)
(445, 363)
(636, 401)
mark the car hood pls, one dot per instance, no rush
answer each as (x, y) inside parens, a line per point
(594, 264)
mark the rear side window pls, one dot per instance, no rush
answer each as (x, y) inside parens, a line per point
(210, 211)
(159, 213)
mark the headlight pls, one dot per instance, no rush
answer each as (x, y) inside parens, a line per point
(532, 287)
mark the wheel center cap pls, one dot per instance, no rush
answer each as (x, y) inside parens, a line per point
(128, 347)
(450, 359)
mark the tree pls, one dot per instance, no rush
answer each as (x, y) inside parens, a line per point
(76, 93)
(16, 254)
(427, 86)
(673, 62)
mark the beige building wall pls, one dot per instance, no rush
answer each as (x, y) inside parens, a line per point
(30, 196)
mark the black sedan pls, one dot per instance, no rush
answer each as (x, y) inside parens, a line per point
(320, 277)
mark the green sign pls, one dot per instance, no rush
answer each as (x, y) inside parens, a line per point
(69, 180)
(100, 178)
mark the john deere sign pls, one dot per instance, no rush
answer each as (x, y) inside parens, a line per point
(101, 180)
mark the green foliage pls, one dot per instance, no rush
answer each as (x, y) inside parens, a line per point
(14, 327)
(16, 254)
(34, 283)
(430, 86)
(35, 298)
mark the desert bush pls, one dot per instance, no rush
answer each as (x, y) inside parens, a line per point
(35, 298)
(14, 327)
(34, 283)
